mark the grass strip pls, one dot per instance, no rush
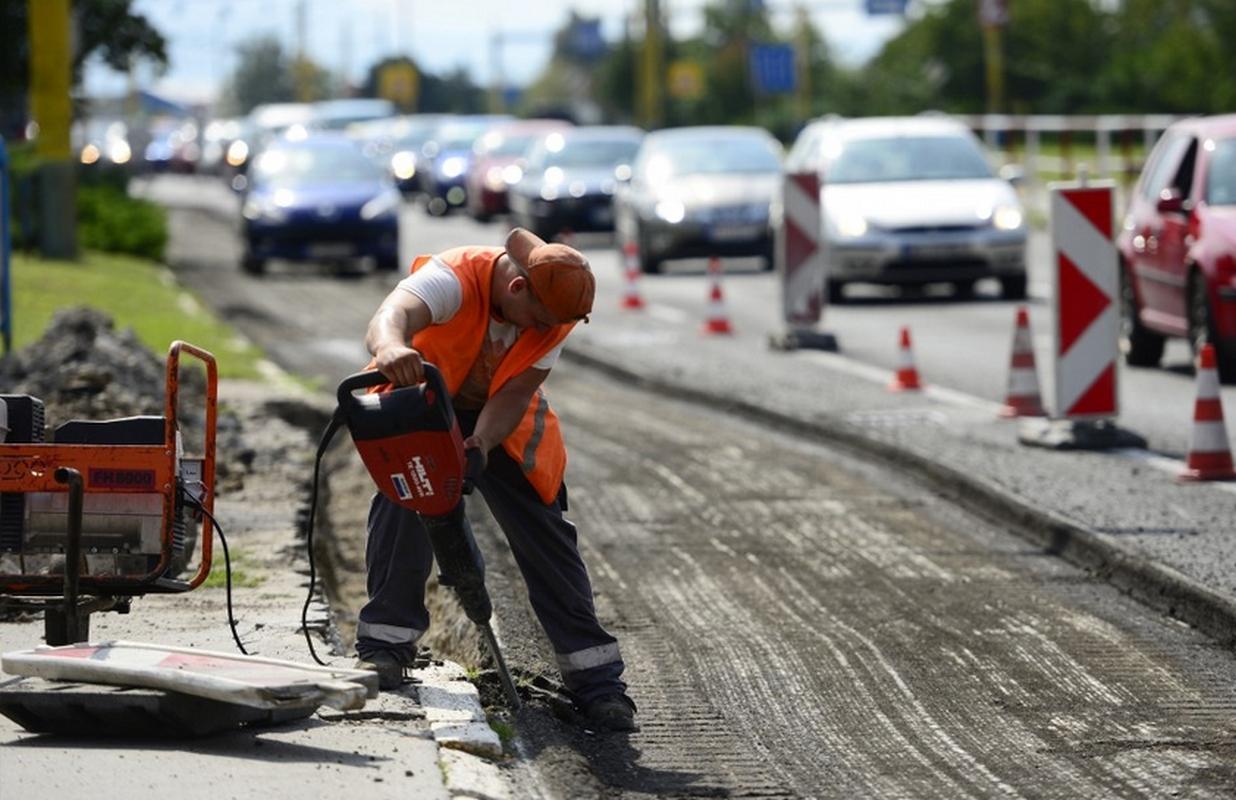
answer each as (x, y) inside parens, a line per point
(138, 294)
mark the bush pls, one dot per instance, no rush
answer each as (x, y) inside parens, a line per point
(111, 221)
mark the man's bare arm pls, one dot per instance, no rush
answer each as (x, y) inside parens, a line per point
(401, 315)
(505, 409)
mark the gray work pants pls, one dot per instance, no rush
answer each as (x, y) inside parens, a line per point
(398, 559)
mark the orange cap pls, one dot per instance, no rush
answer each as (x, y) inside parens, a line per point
(559, 276)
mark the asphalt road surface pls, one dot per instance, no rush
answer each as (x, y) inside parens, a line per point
(798, 623)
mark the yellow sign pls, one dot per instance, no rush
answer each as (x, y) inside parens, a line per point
(50, 75)
(400, 83)
(686, 80)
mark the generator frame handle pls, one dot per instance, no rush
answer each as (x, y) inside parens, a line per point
(208, 457)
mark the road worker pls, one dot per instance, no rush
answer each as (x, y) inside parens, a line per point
(493, 320)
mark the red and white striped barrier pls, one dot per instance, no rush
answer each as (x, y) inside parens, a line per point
(718, 321)
(1210, 455)
(905, 379)
(631, 298)
(800, 251)
(1085, 283)
(1023, 398)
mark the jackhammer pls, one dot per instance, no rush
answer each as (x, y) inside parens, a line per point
(409, 440)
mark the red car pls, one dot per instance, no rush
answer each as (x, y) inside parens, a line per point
(498, 163)
(1178, 245)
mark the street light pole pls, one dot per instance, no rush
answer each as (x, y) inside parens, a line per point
(50, 108)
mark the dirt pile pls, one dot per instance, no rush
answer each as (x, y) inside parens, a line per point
(83, 368)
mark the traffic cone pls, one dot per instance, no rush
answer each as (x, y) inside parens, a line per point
(718, 321)
(906, 377)
(1023, 398)
(1210, 456)
(631, 298)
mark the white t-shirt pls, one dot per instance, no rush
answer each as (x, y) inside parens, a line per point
(436, 285)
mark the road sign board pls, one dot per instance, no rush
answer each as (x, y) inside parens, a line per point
(772, 68)
(800, 253)
(878, 7)
(1085, 282)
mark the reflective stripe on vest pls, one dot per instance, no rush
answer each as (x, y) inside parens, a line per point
(528, 463)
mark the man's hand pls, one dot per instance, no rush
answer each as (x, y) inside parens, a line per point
(400, 364)
(483, 447)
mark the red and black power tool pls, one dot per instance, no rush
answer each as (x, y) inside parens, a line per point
(409, 440)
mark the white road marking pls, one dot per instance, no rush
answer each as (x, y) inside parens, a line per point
(670, 314)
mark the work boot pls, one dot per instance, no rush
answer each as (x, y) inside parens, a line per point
(389, 667)
(612, 712)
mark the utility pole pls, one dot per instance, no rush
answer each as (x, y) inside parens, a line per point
(50, 107)
(803, 56)
(496, 103)
(993, 17)
(651, 73)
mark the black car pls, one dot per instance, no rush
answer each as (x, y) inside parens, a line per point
(571, 177)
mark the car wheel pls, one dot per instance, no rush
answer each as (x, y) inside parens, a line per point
(649, 262)
(388, 263)
(1142, 347)
(1013, 287)
(1202, 328)
(836, 293)
(254, 265)
(963, 289)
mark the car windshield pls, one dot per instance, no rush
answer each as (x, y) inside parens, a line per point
(711, 155)
(456, 137)
(589, 153)
(512, 145)
(291, 167)
(1221, 177)
(908, 158)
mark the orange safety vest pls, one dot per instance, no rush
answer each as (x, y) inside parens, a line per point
(536, 443)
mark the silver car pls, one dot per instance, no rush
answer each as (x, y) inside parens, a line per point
(700, 192)
(912, 200)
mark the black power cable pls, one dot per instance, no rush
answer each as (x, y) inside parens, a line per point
(327, 435)
(193, 503)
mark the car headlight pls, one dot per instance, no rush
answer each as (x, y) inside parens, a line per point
(512, 174)
(237, 153)
(403, 164)
(255, 210)
(453, 167)
(672, 211)
(384, 205)
(494, 180)
(1007, 218)
(549, 191)
(119, 152)
(851, 225)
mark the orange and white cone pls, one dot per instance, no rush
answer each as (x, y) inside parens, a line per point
(718, 321)
(1210, 455)
(1023, 399)
(906, 377)
(630, 255)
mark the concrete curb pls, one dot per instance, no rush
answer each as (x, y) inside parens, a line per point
(1159, 586)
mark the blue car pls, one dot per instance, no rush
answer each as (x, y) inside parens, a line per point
(319, 199)
(450, 155)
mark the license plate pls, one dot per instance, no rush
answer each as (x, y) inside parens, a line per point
(730, 233)
(934, 252)
(331, 250)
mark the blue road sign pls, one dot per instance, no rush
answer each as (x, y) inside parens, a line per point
(772, 68)
(877, 7)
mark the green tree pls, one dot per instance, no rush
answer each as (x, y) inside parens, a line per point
(108, 28)
(261, 76)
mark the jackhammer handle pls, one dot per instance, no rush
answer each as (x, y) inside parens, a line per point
(369, 378)
(473, 468)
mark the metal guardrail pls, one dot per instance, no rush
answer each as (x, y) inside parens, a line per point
(1111, 133)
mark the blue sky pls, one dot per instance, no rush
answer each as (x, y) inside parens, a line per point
(352, 34)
